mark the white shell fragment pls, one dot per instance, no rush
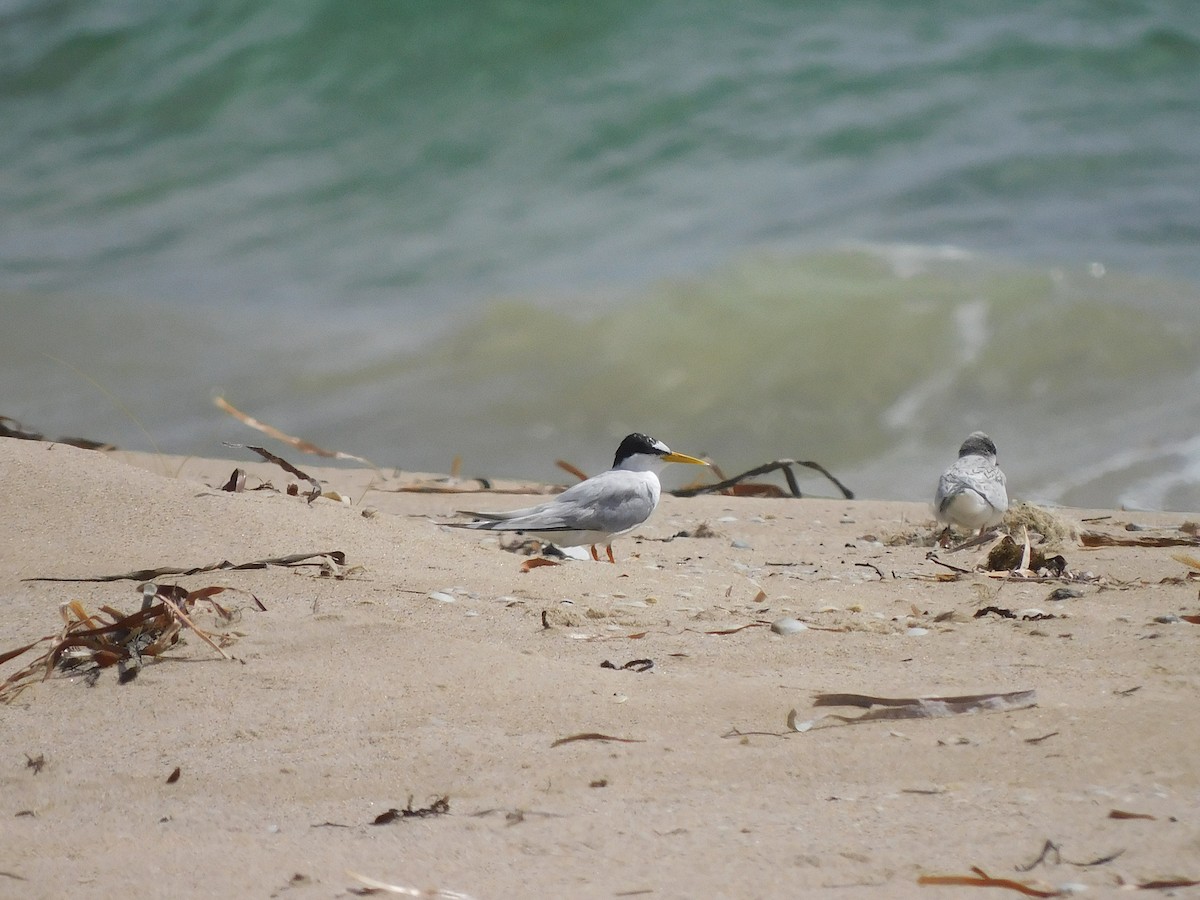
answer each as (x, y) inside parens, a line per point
(788, 625)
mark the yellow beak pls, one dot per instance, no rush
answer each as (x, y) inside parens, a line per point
(684, 458)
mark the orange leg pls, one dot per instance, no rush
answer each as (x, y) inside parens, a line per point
(610, 555)
(595, 555)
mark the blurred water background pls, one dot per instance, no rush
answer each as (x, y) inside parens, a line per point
(514, 231)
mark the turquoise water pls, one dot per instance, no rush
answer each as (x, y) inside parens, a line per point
(515, 231)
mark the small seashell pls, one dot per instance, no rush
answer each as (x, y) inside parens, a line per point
(788, 625)
(916, 632)
(441, 596)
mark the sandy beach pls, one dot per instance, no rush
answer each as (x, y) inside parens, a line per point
(427, 674)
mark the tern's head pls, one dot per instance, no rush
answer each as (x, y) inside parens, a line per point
(978, 444)
(641, 453)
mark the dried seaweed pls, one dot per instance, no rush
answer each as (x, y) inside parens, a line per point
(1165, 884)
(439, 807)
(538, 562)
(880, 708)
(634, 665)
(299, 443)
(291, 560)
(285, 465)
(595, 736)
(89, 643)
(1123, 814)
(728, 485)
(980, 878)
(11, 428)
(1009, 556)
(1050, 848)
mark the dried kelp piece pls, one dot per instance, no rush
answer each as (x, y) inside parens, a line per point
(595, 736)
(88, 643)
(910, 707)
(1099, 539)
(735, 629)
(783, 465)
(285, 465)
(1165, 884)
(292, 560)
(11, 428)
(567, 467)
(538, 562)
(37, 763)
(1009, 556)
(1051, 851)
(980, 878)
(1123, 814)
(439, 807)
(996, 611)
(634, 665)
(174, 776)
(299, 443)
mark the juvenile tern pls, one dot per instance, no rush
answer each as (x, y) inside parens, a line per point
(599, 509)
(972, 493)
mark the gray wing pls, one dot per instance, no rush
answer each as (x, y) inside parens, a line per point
(972, 473)
(612, 502)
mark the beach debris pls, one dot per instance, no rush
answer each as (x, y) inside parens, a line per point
(1023, 559)
(294, 560)
(1028, 615)
(37, 763)
(735, 487)
(374, 885)
(299, 443)
(285, 465)
(1093, 539)
(788, 625)
(880, 708)
(1124, 814)
(174, 776)
(1064, 593)
(89, 643)
(538, 562)
(634, 665)
(11, 428)
(1040, 738)
(980, 878)
(1166, 884)
(595, 736)
(572, 470)
(439, 807)
(1049, 848)
(236, 483)
(735, 629)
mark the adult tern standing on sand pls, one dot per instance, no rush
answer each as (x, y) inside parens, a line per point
(599, 509)
(972, 493)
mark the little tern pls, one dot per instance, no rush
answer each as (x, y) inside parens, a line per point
(599, 509)
(972, 492)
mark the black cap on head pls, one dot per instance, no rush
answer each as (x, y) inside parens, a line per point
(639, 443)
(977, 444)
